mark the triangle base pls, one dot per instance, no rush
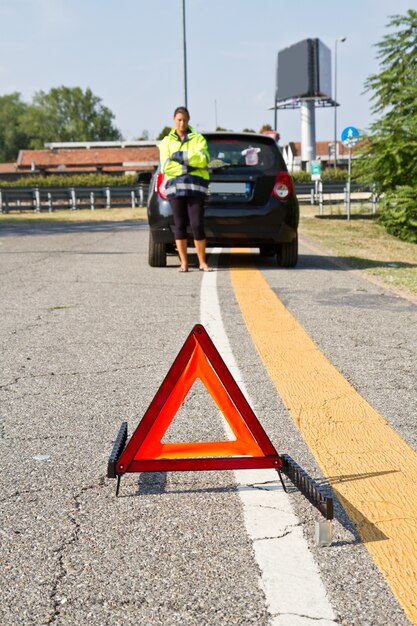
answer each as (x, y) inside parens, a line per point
(205, 464)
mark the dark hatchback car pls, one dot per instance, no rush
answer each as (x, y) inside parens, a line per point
(251, 201)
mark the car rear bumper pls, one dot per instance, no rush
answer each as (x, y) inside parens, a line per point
(273, 223)
(218, 235)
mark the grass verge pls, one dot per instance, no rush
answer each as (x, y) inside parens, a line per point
(364, 244)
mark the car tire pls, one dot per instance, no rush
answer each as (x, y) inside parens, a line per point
(287, 254)
(157, 253)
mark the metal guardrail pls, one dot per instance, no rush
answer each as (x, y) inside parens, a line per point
(330, 188)
(50, 199)
(320, 193)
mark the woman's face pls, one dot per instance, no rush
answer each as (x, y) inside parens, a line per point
(181, 123)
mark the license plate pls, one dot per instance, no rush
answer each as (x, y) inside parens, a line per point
(225, 188)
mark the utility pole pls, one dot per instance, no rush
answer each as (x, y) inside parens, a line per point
(275, 99)
(341, 39)
(184, 54)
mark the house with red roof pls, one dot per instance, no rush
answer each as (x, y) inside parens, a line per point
(80, 157)
(120, 158)
(324, 153)
(116, 158)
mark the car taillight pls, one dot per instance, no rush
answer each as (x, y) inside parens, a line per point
(283, 186)
(160, 186)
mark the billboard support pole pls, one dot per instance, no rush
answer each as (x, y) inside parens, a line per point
(308, 132)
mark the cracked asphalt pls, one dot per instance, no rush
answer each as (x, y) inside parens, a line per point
(88, 332)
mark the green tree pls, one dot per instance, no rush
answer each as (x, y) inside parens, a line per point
(248, 130)
(390, 152)
(164, 132)
(12, 134)
(68, 114)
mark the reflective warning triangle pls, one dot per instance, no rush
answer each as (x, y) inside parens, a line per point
(198, 359)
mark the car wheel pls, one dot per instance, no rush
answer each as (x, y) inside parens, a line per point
(287, 254)
(157, 253)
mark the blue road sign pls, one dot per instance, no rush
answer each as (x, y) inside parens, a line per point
(350, 136)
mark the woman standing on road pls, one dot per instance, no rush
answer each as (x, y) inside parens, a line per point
(184, 157)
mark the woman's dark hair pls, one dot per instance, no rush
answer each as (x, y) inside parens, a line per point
(182, 110)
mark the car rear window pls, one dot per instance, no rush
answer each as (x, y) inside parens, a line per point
(243, 153)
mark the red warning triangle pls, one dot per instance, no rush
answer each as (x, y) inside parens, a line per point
(198, 359)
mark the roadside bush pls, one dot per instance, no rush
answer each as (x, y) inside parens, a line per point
(334, 175)
(301, 177)
(81, 180)
(327, 175)
(399, 212)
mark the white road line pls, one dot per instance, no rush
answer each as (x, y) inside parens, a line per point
(289, 575)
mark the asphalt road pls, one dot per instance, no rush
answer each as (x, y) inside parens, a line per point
(88, 332)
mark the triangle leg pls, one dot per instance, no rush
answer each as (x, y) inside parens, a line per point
(282, 481)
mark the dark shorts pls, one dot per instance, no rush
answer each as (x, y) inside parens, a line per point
(188, 210)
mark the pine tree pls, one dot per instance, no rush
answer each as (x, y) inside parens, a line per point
(390, 152)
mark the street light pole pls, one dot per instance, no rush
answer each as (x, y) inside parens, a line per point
(275, 113)
(184, 53)
(341, 39)
(275, 99)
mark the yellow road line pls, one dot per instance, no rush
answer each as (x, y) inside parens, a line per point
(372, 470)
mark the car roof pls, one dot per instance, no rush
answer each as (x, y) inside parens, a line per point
(222, 134)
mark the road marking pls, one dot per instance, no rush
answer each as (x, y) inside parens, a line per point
(289, 575)
(372, 470)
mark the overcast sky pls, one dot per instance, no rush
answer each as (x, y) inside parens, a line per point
(130, 53)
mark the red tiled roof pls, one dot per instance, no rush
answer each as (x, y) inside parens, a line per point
(107, 158)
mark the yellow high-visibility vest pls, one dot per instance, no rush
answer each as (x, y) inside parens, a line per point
(184, 163)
